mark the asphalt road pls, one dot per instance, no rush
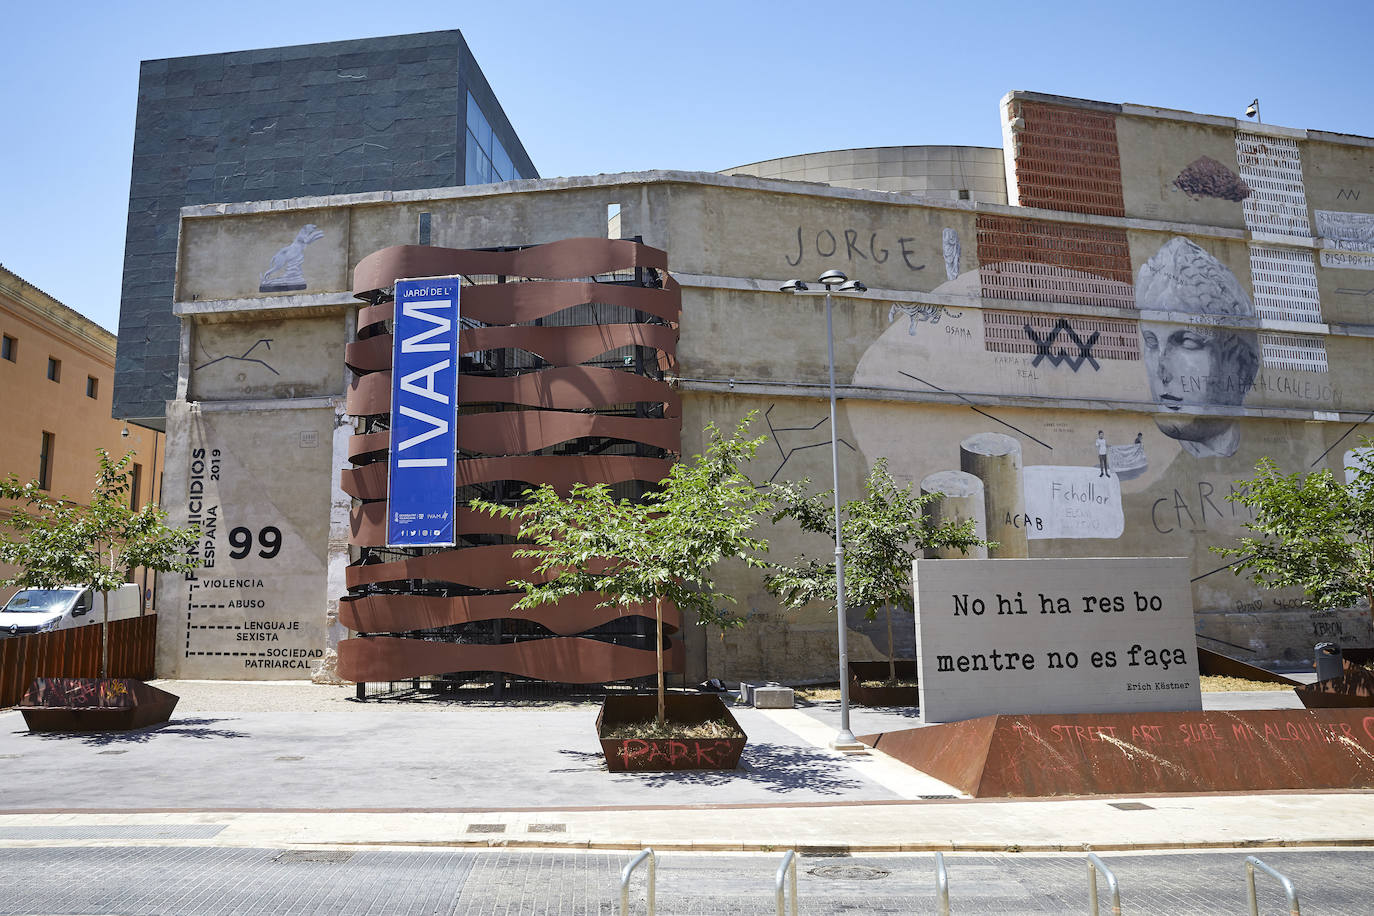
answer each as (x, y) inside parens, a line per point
(199, 881)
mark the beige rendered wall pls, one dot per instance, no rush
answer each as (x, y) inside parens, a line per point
(925, 362)
(253, 480)
(32, 404)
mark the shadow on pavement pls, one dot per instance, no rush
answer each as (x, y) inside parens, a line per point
(184, 728)
(772, 767)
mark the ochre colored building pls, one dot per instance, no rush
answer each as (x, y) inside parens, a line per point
(56, 375)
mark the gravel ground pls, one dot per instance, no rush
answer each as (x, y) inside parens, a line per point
(303, 696)
(256, 696)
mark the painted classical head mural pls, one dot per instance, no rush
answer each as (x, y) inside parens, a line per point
(1196, 365)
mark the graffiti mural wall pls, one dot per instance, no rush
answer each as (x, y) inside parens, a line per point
(1087, 372)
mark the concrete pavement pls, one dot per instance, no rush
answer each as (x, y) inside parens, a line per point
(530, 775)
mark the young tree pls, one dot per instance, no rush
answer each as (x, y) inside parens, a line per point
(57, 542)
(1310, 531)
(883, 532)
(663, 547)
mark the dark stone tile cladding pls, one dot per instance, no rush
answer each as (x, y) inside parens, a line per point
(335, 118)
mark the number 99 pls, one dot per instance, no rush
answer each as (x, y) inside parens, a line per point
(241, 540)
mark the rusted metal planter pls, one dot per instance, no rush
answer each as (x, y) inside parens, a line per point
(1353, 689)
(1214, 663)
(92, 704)
(883, 696)
(636, 755)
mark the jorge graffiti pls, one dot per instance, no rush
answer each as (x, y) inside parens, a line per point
(856, 246)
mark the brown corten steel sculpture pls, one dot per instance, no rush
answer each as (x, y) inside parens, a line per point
(531, 411)
(393, 613)
(1249, 750)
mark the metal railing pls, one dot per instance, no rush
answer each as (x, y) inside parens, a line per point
(1252, 863)
(628, 870)
(788, 867)
(941, 884)
(1094, 866)
(785, 884)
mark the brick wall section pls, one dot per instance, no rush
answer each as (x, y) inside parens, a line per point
(335, 118)
(1067, 159)
(1036, 261)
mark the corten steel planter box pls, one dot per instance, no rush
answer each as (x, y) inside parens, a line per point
(1355, 688)
(638, 755)
(883, 696)
(92, 704)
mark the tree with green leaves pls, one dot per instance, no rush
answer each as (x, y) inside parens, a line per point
(1310, 531)
(57, 542)
(883, 532)
(661, 547)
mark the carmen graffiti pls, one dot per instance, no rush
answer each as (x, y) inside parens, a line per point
(1188, 511)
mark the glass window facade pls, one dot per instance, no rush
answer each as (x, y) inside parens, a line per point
(487, 160)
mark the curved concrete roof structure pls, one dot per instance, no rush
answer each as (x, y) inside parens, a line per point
(931, 171)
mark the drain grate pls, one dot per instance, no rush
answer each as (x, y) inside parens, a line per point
(326, 856)
(547, 828)
(1131, 806)
(848, 872)
(486, 828)
(113, 832)
(931, 797)
(112, 752)
(291, 757)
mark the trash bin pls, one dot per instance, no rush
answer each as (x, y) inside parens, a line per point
(1329, 663)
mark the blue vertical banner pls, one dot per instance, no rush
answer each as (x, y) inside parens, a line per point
(424, 414)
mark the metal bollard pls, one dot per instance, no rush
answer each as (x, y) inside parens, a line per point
(1251, 863)
(941, 884)
(1094, 866)
(625, 881)
(788, 867)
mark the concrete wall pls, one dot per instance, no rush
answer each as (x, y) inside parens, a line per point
(254, 479)
(1045, 327)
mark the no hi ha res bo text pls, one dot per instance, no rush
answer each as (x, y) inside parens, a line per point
(1136, 655)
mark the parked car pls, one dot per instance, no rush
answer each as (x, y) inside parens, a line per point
(40, 610)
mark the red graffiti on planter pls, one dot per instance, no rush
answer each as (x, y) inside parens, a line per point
(638, 753)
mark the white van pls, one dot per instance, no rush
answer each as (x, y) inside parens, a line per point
(40, 610)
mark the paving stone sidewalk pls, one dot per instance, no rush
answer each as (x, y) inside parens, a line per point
(209, 882)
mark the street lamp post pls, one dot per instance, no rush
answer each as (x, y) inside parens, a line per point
(844, 739)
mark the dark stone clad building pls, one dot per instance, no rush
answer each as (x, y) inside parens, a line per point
(379, 114)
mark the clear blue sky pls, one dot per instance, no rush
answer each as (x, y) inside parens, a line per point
(594, 86)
